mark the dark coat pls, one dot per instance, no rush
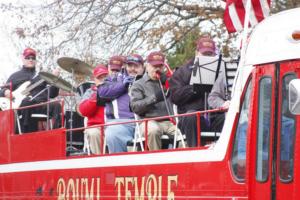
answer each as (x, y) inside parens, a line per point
(182, 93)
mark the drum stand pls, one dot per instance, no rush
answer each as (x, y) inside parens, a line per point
(70, 148)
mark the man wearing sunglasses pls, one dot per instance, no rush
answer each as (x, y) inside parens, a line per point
(28, 73)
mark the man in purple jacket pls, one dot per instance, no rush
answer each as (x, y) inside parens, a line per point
(114, 92)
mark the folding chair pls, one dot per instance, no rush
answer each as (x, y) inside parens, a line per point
(38, 116)
(43, 118)
(137, 135)
(178, 135)
(138, 138)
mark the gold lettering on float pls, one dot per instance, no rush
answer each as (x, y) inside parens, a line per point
(118, 182)
(147, 188)
(91, 195)
(159, 187)
(127, 191)
(137, 195)
(172, 179)
(88, 195)
(98, 188)
(77, 188)
(84, 182)
(70, 189)
(61, 187)
(151, 181)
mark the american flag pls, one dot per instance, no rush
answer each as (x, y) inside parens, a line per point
(234, 14)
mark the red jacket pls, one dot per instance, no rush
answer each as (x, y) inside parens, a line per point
(88, 108)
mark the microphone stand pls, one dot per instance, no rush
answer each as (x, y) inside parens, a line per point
(170, 72)
(165, 99)
(70, 149)
(48, 105)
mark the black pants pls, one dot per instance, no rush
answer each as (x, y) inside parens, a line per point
(30, 124)
(27, 123)
(55, 113)
(217, 121)
(188, 126)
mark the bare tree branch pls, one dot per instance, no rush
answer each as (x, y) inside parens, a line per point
(104, 27)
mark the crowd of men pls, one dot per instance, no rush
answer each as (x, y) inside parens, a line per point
(130, 88)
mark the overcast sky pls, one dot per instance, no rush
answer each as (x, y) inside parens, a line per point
(10, 51)
(10, 56)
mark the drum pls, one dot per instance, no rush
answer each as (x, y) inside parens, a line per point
(75, 122)
(83, 87)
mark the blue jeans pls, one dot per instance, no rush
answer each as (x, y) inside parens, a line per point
(117, 136)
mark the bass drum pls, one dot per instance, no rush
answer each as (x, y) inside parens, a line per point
(83, 87)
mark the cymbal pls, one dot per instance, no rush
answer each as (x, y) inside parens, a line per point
(56, 81)
(75, 65)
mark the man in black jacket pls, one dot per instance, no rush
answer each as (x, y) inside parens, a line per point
(35, 96)
(190, 97)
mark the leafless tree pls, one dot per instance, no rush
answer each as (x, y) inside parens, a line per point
(116, 26)
(92, 29)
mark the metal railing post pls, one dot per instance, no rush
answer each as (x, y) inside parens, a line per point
(198, 130)
(146, 135)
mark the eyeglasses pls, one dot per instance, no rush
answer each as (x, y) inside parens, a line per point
(30, 58)
(134, 65)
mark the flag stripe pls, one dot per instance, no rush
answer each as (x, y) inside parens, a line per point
(234, 18)
(259, 13)
(265, 6)
(227, 19)
(253, 20)
(234, 14)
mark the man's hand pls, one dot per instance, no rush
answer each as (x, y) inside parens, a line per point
(7, 93)
(226, 105)
(128, 80)
(162, 77)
